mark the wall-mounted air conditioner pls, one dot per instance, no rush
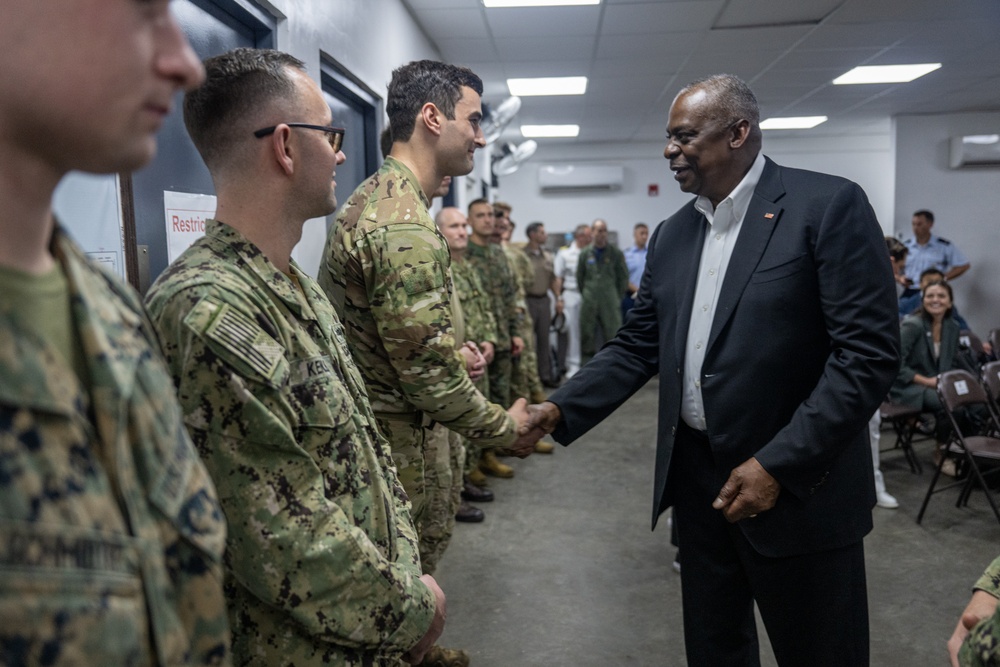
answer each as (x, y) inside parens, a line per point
(975, 150)
(580, 178)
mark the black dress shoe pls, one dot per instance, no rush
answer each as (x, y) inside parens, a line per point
(468, 514)
(476, 494)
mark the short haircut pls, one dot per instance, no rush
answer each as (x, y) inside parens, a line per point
(385, 142)
(532, 228)
(933, 271)
(897, 249)
(422, 81)
(925, 213)
(240, 86)
(640, 225)
(580, 229)
(477, 202)
(503, 206)
(732, 100)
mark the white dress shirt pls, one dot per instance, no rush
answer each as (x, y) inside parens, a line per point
(724, 224)
(565, 266)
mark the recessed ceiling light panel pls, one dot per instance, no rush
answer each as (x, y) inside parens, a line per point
(535, 131)
(552, 85)
(885, 73)
(538, 3)
(792, 123)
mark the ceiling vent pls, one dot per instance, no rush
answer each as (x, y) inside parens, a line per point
(975, 150)
(580, 178)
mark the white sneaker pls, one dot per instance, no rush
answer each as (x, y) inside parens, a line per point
(883, 499)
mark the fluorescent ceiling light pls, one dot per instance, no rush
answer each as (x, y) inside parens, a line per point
(792, 123)
(538, 3)
(552, 85)
(550, 130)
(886, 73)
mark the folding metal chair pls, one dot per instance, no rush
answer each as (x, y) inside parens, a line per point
(991, 381)
(960, 389)
(904, 423)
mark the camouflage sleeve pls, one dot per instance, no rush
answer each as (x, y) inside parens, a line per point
(406, 271)
(982, 647)
(333, 581)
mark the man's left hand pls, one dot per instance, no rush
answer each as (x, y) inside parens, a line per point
(749, 490)
(516, 346)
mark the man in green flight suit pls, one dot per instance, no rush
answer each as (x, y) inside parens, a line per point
(322, 556)
(602, 277)
(111, 534)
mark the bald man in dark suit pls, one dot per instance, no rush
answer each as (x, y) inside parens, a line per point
(767, 307)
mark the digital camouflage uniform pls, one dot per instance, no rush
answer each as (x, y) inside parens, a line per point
(385, 267)
(525, 382)
(498, 280)
(111, 536)
(480, 326)
(322, 557)
(602, 285)
(982, 647)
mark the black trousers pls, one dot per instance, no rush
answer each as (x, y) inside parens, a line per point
(814, 606)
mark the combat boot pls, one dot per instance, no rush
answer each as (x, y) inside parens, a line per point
(478, 478)
(438, 656)
(544, 447)
(488, 464)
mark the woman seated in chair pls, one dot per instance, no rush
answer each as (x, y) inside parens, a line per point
(929, 346)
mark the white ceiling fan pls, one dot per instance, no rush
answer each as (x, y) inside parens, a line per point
(513, 156)
(495, 120)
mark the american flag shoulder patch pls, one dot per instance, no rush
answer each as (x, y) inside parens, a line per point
(245, 338)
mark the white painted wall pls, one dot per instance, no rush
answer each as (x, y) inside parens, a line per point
(367, 39)
(867, 160)
(966, 204)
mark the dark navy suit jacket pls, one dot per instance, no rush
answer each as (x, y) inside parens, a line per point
(803, 348)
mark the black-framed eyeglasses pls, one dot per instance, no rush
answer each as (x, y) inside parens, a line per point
(335, 135)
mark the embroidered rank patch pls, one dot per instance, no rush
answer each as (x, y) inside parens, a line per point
(244, 337)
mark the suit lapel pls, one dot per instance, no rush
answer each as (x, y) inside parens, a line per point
(761, 217)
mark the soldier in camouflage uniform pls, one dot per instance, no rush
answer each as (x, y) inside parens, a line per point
(494, 270)
(602, 277)
(322, 555)
(976, 640)
(111, 535)
(385, 267)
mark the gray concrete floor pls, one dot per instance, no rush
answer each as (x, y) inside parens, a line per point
(565, 571)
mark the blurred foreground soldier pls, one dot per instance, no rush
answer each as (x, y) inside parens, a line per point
(751, 293)
(385, 267)
(602, 278)
(111, 536)
(976, 640)
(322, 556)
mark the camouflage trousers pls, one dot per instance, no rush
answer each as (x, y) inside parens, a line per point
(407, 438)
(524, 380)
(444, 463)
(500, 371)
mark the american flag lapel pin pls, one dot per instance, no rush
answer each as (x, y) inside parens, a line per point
(768, 216)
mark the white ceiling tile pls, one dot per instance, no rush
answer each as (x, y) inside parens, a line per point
(543, 21)
(663, 17)
(774, 12)
(515, 49)
(453, 23)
